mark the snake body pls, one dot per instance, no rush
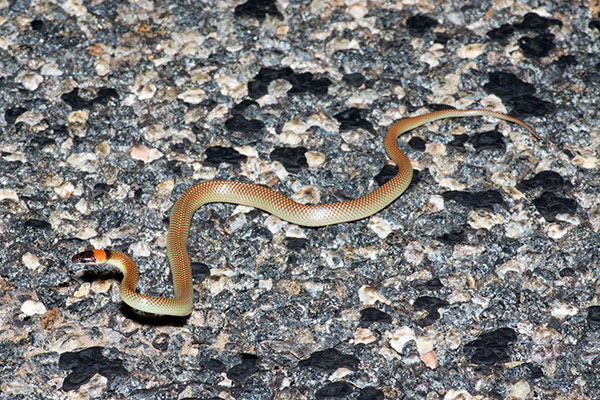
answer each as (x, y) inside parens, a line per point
(266, 199)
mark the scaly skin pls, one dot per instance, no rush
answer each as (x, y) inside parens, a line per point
(272, 202)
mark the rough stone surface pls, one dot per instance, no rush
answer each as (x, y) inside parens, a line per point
(480, 282)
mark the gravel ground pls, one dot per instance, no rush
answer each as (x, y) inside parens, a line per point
(480, 282)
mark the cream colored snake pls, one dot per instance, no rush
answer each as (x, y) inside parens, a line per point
(270, 201)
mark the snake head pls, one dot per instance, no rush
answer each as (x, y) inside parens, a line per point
(90, 257)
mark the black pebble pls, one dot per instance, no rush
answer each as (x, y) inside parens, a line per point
(161, 342)
(104, 94)
(351, 119)
(244, 369)
(565, 61)
(506, 85)
(535, 22)
(295, 244)
(593, 316)
(547, 180)
(431, 305)
(386, 173)
(292, 158)
(214, 365)
(84, 364)
(239, 123)
(370, 315)
(432, 284)
(258, 9)
(491, 347)
(11, 114)
(243, 106)
(490, 140)
(218, 154)
(37, 24)
(453, 237)
(537, 46)
(566, 272)
(37, 224)
(417, 143)
(370, 393)
(356, 79)
(419, 24)
(301, 83)
(334, 390)
(306, 83)
(200, 271)
(484, 199)
(502, 32)
(458, 141)
(330, 360)
(550, 205)
(529, 106)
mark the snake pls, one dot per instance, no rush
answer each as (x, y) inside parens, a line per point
(271, 201)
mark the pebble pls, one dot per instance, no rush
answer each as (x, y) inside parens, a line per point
(87, 162)
(564, 310)
(471, 51)
(314, 159)
(519, 391)
(400, 337)
(380, 226)
(454, 394)
(556, 230)
(364, 336)
(101, 286)
(31, 261)
(193, 96)
(9, 194)
(30, 80)
(483, 219)
(74, 8)
(33, 307)
(147, 92)
(50, 70)
(369, 296)
(430, 359)
(232, 87)
(31, 118)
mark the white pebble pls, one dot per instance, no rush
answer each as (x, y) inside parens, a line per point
(400, 337)
(556, 231)
(30, 80)
(147, 92)
(471, 51)
(32, 307)
(364, 336)
(520, 390)
(9, 194)
(454, 394)
(31, 261)
(31, 118)
(564, 310)
(193, 96)
(86, 162)
(314, 159)
(51, 70)
(380, 226)
(369, 296)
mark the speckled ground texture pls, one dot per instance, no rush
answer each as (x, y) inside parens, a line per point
(479, 282)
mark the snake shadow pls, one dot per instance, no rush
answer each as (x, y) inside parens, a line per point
(92, 275)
